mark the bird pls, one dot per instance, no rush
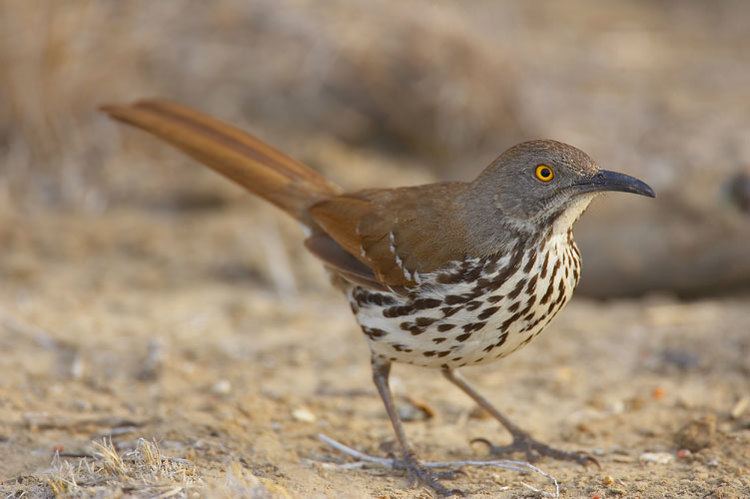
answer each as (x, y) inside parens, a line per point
(442, 275)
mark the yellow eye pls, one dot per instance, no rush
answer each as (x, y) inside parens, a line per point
(544, 173)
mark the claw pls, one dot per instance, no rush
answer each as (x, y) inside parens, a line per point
(418, 474)
(533, 450)
(585, 459)
(482, 440)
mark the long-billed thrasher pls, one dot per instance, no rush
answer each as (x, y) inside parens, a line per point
(442, 275)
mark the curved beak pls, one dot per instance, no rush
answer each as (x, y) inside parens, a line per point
(607, 180)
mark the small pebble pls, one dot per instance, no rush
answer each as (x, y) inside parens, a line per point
(740, 407)
(683, 453)
(656, 457)
(221, 387)
(608, 480)
(658, 393)
(304, 415)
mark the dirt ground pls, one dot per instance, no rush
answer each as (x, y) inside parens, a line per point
(157, 325)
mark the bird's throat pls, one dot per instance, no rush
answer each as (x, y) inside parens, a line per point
(572, 213)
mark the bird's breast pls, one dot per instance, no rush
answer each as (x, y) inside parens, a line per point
(475, 310)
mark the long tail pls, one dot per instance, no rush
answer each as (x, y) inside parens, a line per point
(260, 168)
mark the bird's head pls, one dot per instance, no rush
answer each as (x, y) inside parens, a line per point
(546, 182)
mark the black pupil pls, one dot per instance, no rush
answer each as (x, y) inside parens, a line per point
(545, 172)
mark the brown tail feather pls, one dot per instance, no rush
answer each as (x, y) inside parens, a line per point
(261, 169)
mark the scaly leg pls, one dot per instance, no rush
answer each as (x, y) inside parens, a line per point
(522, 441)
(381, 369)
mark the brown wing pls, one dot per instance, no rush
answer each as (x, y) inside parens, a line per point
(337, 259)
(398, 233)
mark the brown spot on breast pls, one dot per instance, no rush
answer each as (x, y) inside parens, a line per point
(445, 327)
(414, 329)
(517, 290)
(426, 303)
(473, 305)
(513, 318)
(449, 278)
(532, 285)
(431, 353)
(443, 353)
(514, 306)
(401, 348)
(425, 321)
(373, 333)
(513, 265)
(487, 313)
(363, 297)
(463, 337)
(495, 298)
(448, 311)
(482, 283)
(544, 240)
(501, 340)
(490, 266)
(398, 311)
(531, 262)
(438, 341)
(551, 286)
(455, 299)
(545, 265)
(474, 326)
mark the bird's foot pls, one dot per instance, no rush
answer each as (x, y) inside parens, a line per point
(418, 474)
(534, 450)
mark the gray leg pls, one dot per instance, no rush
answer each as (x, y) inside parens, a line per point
(522, 441)
(381, 369)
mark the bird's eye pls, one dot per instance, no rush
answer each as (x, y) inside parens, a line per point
(544, 173)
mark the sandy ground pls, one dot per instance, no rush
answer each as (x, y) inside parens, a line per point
(169, 326)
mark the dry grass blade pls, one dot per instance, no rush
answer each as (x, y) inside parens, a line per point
(142, 471)
(109, 458)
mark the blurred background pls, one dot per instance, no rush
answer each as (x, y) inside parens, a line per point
(110, 239)
(391, 93)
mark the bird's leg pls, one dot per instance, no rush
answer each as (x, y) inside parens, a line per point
(381, 369)
(522, 441)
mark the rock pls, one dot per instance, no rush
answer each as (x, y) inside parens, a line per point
(221, 387)
(656, 457)
(304, 415)
(697, 434)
